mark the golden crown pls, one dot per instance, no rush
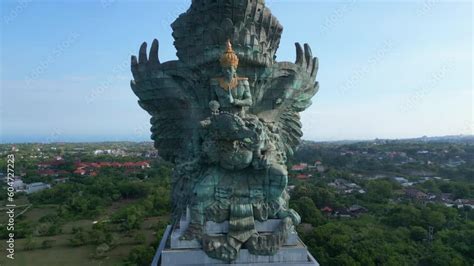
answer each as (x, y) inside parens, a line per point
(229, 58)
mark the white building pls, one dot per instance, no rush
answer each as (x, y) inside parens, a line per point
(18, 185)
(35, 187)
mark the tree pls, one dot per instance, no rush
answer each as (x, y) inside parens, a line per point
(140, 256)
(130, 217)
(403, 215)
(30, 243)
(342, 260)
(308, 211)
(139, 238)
(47, 243)
(379, 191)
(433, 218)
(101, 250)
(323, 197)
(418, 233)
(79, 237)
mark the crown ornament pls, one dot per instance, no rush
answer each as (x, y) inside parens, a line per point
(229, 58)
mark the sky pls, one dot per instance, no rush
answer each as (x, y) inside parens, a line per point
(388, 69)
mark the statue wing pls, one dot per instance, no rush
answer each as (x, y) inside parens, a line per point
(289, 92)
(168, 93)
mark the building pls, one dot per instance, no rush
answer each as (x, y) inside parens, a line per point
(61, 180)
(460, 203)
(303, 176)
(346, 187)
(415, 194)
(114, 152)
(93, 167)
(400, 180)
(35, 187)
(327, 210)
(357, 210)
(318, 165)
(52, 164)
(299, 167)
(80, 171)
(18, 184)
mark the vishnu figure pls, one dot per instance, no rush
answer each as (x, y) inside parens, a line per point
(231, 91)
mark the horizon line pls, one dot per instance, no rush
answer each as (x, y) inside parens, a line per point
(151, 141)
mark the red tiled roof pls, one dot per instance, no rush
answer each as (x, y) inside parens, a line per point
(62, 172)
(46, 172)
(326, 209)
(80, 171)
(302, 176)
(299, 167)
(78, 165)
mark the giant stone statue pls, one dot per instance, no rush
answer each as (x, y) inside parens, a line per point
(226, 113)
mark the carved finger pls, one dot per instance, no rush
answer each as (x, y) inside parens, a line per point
(134, 65)
(308, 56)
(316, 87)
(133, 85)
(142, 58)
(314, 72)
(153, 58)
(299, 55)
(134, 61)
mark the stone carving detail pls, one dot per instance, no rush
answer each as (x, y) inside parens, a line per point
(228, 134)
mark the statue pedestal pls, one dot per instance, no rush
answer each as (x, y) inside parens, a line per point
(173, 251)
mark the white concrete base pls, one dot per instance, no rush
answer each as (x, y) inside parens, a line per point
(173, 251)
(287, 255)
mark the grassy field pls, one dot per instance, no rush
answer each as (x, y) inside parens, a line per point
(62, 253)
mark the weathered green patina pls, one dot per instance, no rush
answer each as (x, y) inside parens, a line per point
(229, 135)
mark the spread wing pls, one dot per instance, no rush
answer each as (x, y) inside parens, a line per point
(167, 91)
(289, 92)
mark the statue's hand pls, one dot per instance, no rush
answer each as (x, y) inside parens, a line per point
(306, 61)
(145, 66)
(261, 162)
(264, 159)
(231, 98)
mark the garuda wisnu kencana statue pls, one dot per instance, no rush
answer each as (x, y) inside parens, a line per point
(226, 113)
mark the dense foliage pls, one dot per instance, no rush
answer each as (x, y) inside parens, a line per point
(392, 229)
(390, 234)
